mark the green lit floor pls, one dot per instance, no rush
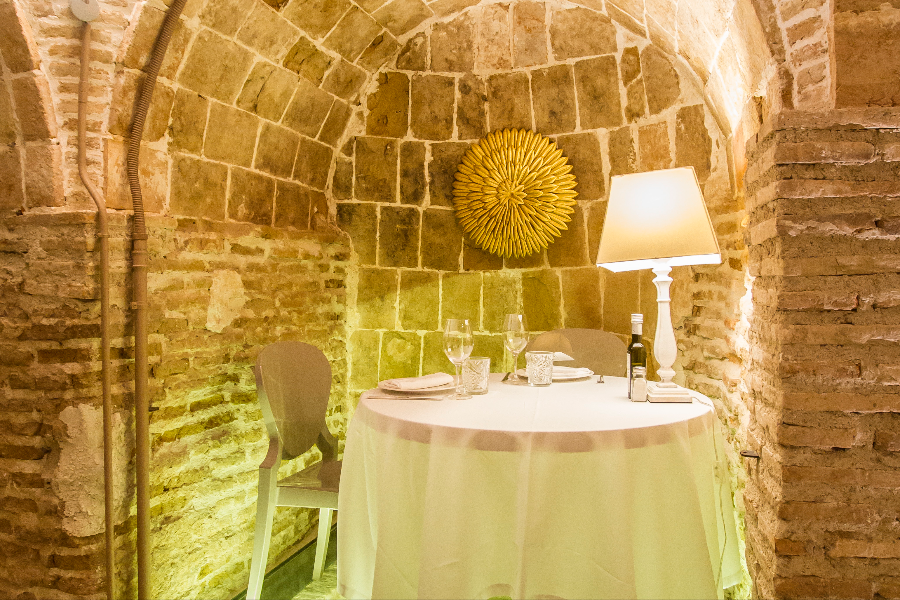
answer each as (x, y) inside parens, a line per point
(292, 579)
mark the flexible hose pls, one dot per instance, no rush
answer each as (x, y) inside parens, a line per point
(103, 234)
(139, 283)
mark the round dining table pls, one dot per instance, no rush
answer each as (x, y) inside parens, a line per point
(567, 491)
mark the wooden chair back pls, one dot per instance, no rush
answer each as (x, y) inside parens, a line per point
(600, 351)
(293, 382)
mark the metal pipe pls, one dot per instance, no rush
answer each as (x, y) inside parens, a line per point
(139, 304)
(103, 234)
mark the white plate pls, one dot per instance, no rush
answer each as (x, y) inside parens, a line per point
(441, 389)
(559, 376)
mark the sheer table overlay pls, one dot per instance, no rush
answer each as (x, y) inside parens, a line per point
(569, 491)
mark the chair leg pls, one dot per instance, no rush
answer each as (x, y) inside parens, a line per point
(265, 512)
(322, 540)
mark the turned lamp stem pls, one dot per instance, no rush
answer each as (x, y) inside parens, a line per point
(664, 347)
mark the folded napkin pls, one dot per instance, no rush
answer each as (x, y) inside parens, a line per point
(561, 356)
(417, 383)
(566, 372)
(571, 371)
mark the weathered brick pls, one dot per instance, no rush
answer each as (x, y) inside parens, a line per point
(316, 17)
(377, 298)
(529, 34)
(389, 106)
(453, 45)
(445, 159)
(494, 50)
(313, 163)
(815, 437)
(432, 102)
(660, 78)
(251, 197)
(305, 59)
(441, 240)
(597, 83)
(412, 172)
(344, 80)
(507, 94)
(471, 120)
(216, 67)
(414, 54)
(402, 16)
(276, 151)
(578, 32)
(231, 135)
(398, 236)
(653, 144)
(352, 34)
(308, 108)
(376, 170)
(198, 188)
(553, 97)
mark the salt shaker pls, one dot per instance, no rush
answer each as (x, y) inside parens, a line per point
(639, 384)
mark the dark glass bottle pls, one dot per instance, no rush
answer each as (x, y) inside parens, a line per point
(637, 352)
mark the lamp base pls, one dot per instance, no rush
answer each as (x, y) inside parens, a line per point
(661, 392)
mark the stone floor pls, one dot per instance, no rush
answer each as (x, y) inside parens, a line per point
(324, 588)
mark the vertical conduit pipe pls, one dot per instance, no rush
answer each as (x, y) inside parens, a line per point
(139, 304)
(103, 234)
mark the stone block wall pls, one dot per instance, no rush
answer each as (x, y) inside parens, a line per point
(248, 110)
(611, 100)
(822, 499)
(30, 157)
(219, 292)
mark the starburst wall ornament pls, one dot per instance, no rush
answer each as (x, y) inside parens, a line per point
(514, 192)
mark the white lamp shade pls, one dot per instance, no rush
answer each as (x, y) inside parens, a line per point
(657, 217)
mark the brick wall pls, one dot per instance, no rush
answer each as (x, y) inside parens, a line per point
(822, 510)
(219, 291)
(865, 34)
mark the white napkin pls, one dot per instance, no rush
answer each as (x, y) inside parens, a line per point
(417, 383)
(567, 372)
(561, 356)
(571, 371)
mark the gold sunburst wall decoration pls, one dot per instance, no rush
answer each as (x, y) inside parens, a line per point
(514, 192)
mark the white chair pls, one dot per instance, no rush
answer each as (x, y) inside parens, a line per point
(600, 351)
(293, 382)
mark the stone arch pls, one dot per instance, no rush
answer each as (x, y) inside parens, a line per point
(30, 157)
(328, 52)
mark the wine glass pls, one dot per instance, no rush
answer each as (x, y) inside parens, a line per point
(458, 344)
(515, 338)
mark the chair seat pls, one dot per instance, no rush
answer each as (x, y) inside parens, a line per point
(323, 475)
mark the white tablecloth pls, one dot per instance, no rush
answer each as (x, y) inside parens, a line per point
(570, 491)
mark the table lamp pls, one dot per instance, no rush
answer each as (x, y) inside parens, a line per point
(658, 220)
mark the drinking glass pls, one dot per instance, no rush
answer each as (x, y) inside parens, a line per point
(515, 338)
(458, 344)
(539, 366)
(476, 372)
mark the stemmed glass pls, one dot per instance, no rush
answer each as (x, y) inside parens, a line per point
(515, 338)
(458, 344)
